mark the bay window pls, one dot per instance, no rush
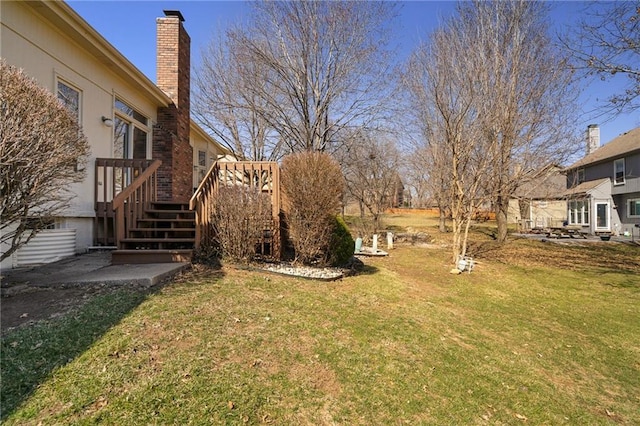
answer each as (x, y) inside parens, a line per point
(578, 213)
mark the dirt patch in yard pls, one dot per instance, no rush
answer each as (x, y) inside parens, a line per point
(22, 305)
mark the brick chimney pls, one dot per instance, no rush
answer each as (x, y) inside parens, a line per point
(593, 138)
(171, 133)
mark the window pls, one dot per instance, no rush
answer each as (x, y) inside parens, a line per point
(202, 166)
(618, 171)
(127, 110)
(633, 207)
(130, 137)
(578, 213)
(580, 176)
(69, 96)
(130, 132)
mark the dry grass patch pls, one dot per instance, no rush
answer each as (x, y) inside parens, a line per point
(582, 256)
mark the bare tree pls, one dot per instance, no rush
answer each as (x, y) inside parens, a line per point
(415, 169)
(41, 146)
(426, 165)
(496, 105)
(444, 97)
(430, 179)
(323, 67)
(527, 104)
(370, 164)
(607, 44)
(225, 103)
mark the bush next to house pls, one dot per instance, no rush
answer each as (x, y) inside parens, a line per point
(342, 243)
(42, 151)
(312, 186)
(239, 216)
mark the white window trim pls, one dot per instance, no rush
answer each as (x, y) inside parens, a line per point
(615, 182)
(632, 200)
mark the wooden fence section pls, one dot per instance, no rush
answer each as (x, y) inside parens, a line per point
(123, 188)
(261, 175)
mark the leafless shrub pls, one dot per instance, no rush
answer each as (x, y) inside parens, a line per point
(312, 187)
(240, 215)
(41, 147)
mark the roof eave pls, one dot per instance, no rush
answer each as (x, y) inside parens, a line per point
(65, 18)
(199, 130)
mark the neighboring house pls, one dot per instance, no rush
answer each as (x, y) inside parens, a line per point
(123, 114)
(539, 203)
(603, 188)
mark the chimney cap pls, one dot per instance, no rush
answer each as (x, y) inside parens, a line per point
(174, 13)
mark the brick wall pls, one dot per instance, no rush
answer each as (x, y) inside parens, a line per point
(171, 133)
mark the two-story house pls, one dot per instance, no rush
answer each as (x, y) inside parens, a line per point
(603, 188)
(131, 123)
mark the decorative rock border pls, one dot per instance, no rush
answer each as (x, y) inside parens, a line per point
(322, 274)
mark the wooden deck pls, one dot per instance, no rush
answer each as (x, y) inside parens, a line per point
(130, 217)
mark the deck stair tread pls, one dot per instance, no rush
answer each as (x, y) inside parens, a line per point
(156, 229)
(167, 211)
(166, 233)
(153, 240)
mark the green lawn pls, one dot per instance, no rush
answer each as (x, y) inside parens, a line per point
(528, 337)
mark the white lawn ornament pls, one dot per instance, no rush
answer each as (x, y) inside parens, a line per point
(465, 263)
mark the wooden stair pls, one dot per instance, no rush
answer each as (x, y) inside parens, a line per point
(166, 234)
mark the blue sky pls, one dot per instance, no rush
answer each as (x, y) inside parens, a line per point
(130, 26)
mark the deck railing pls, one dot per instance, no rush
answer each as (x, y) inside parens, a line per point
(202, 203)
(263, 175)
(124, 189)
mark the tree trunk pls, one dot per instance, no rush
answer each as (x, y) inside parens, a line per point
(502, 210)
(442, 222)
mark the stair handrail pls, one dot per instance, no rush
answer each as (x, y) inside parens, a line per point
(224, 173)
(134, 199)
(201, 203)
